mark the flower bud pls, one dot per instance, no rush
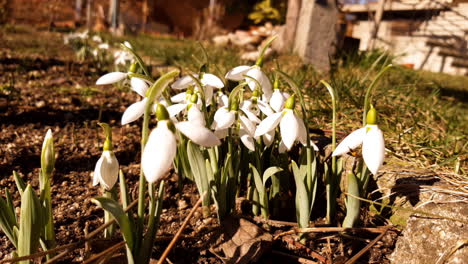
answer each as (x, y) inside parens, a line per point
(48, 153)
(108, 132)
(161, 112)
(194, 98)
(133, 68)
(371, 116)
(290, 102)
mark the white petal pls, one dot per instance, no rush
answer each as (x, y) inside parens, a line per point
(237, 74)
(247, 139)
(303, 133)
(252, 116)
(222, 100)
(110, 78)
(224, 118)
(247, 125)
(282, 147)
(256, 74)
(212, 80)
(109, 170)
(184, 82)
(198, 134)
(159, 152)
(134, 111)
(180, 97)
(175, 109)
(289, 129)
(97, 171)
(265, 108)
(139, 86)
(269, 138)
(268, 124)
(222, 133)
(373, 148)
(195, 116)
(350, 142)
(208, 94)
(277, 101)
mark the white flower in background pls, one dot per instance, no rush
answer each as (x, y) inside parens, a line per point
(104, 46)
(255, 72)
(97, 39)
(191, 108)
(254, 106)
(122, 57)
(106, 171)
(292, 127)
(278, 99)
(209, 82)
(221, 99)
(160, 150)
(372, 140)
(225, 119)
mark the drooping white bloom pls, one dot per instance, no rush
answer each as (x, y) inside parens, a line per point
(225, 119)
(373, 146)
(278, 99)
(252, 109)
(160, 150)
(255, 72)
(292, 127)
(106, 171)
(209, 82)
(372, 140)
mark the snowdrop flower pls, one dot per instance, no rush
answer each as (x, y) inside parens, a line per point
(160, 150)
(255, 72)
(372, 140)
(292, 127)
(104, 46)
(254, 106)
(226, 117)
(97, 39)
(107, 167)
(48, 153)
(192, 108)
(209, 82)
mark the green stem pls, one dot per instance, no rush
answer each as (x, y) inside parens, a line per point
(369, 92)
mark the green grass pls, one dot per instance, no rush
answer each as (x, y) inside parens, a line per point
(423, 115)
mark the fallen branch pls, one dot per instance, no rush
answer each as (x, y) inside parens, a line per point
(365, 249)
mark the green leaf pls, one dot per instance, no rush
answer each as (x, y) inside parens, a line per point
(7, 221)
(124, 194)
(270, 172)
(198, 168)
(31, 223)
(20, 184)
(302, 198)
(120, 216)
(352, 204)
(158, 87)
(257, 179)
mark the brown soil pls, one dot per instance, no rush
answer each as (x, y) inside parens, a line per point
(52, 91)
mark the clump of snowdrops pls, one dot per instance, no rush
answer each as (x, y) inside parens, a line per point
(228, 134)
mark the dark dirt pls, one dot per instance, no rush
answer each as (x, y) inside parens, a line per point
(56, 92)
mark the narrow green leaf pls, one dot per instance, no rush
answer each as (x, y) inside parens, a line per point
(120, 216)
(6, 222)
(352, 204)
(31, 223)
(270, 172)
(257, 179)
(302, 198)
(158, 87)
(20, 184)
(198, 168)
(124, 194)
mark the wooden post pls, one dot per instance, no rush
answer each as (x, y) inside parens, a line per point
(376, 25)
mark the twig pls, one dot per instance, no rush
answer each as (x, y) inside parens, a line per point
(179, 232)
(297, 258)
(39, 254)
(451, 250)
(105, 252)
(330, 229)
(366, 248)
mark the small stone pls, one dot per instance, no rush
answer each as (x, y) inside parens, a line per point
(182, 204)
(40, 104)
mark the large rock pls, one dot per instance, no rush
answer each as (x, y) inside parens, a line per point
(430, 240)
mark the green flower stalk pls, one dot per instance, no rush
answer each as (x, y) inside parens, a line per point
(47, 167)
